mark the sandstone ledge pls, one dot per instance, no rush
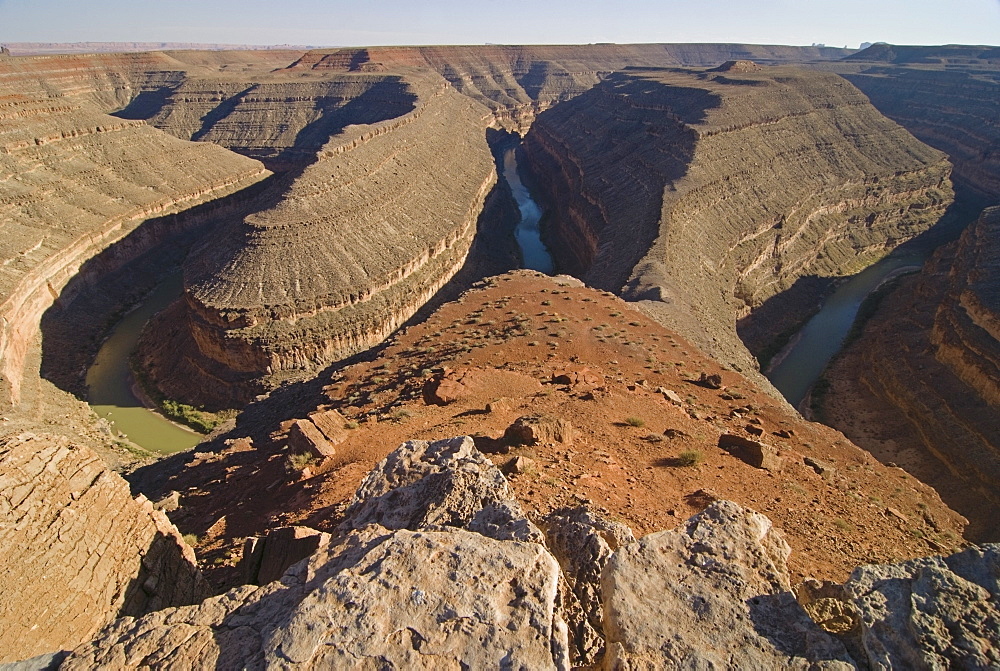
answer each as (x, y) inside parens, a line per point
(77, 550)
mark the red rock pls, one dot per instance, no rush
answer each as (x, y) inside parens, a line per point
(304, 437)
(752, 452)
(331, 424)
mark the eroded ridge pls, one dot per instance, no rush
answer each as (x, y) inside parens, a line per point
(946, 96)
(76, 180)
(519, 81)
(705, 193)
(361, 239)
(77, 550)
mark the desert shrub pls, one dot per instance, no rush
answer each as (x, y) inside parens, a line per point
(689, 458)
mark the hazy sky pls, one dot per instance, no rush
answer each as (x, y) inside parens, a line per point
(372, 22)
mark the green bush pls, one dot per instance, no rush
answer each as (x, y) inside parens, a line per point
(689, 458)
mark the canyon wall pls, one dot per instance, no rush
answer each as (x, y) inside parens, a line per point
(946, 96)
(704, 193)
(77, 180)
(77, 550)
(282, 123)
(518, 81)
(360, 239)
(920, 388)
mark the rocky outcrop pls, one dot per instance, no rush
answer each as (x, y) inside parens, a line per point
(931, 613)
(77, 181)
(362, 239)
(467, 586)
(449, 581)
(946, 96)
(933, 384)
(77, 550)
(704, 194)
(725, 566)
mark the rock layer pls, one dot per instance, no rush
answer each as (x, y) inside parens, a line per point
(77, 180)
(934, 383)
(517, 82)
(77, 550)
(703, 194)
(946, 96)
(305, 283)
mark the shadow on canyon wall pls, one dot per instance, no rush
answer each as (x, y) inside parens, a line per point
(115, 280)
(620, 183)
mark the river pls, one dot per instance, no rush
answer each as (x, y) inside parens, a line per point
(109, 381)
(805, 358)
(528, 233)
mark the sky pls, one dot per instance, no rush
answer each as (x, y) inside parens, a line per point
(382, 22)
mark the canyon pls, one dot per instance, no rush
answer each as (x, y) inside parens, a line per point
(693, 223)
(935, 381)
(328, 211)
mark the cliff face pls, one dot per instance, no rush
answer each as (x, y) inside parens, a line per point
(517, 82)
(951, 109)
(282, 123)
(358, 242)
(703, 194)
(78, 551)
(77, 180)
(930, 391)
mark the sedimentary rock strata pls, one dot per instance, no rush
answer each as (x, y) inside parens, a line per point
(77, 180)
(934, 381)
(361, 239)
(77, 550)
(705, 193)
(517, 82)
(946, 96)
(282, 123)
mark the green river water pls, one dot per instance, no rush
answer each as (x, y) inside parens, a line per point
(109, 381)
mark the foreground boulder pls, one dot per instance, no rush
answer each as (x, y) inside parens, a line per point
(712, 594)
(448, 584)
(932, 612)
(77, 550)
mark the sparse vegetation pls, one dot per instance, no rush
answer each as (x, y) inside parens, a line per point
(297, 462)
(351, 424)
(637, 422)
(842, 524)
(198, 419)
(190, 539)
(690, 458)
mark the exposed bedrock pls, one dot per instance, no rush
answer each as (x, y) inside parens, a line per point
(361, 239)
(946, 96)
(929, 394)
(702, 194)
(517, 82)
(282, 123)
(77, 180)
(436, 565)
(77, 550)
